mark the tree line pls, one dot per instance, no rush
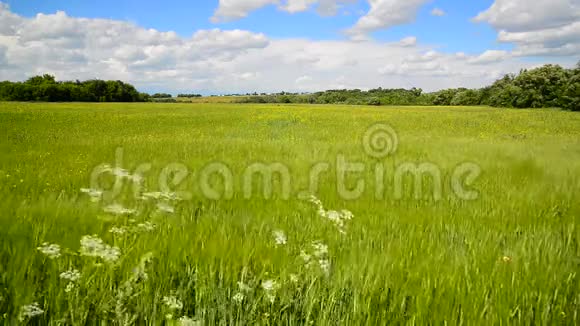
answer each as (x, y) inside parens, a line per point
(46, 88)
(544, 87)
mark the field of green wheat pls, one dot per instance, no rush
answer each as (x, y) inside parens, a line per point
(145, 214)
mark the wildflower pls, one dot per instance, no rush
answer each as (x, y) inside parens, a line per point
(346, 215)
(118, 230)
(93, 246)
(186, 321)
(172, 302)
(506, 259)
(52, 251)
(145, 227)
(72, 275)
(270, 287)
(315, 201)
(95, 194)
(280, 237)
(30, 311)
(165, 208)
(117, 209)
(294, 278)
(239, 297)
(69, 287)
(339, 218)
(140, 272)
(307, 258)
(244, 287)
(324, 265)
(320, 249)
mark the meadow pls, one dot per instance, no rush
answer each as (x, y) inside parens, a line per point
(167, 252)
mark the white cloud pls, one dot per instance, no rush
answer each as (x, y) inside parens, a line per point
(331, 7)
(229, 10)
(540, 27)
(438, 12)
(408, 41)
(384, 14)
(293, 6)
(229, 61)
(489, 56)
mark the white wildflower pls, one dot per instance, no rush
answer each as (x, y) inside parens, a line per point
(333, 216)
(145, 227)
(140, 272)
(52, 251)
(244, 287)
(117, 209)
(280, 237)
(320, 249)
(118, 230)
(346, 214)
(186, 321)
(315, 201)
(324, 265)
(165, 208)
(93, 246)
(294, 278)
(72, 275)
(172, 302)
(96, 195)
(239, 297)
(30, 311)
(270, 287)
(69, 287)
(306, 257)
(339, 218)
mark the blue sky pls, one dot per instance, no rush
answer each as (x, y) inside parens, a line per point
(415, 45)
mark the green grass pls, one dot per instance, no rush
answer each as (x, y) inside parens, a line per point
(510, 257)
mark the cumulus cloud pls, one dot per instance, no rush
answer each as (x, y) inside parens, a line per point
(438, 12)
(541, 27)
(229, 10)
(384, 14)
(331, 7)
(226, 61)
(408, 41)
(489, 56)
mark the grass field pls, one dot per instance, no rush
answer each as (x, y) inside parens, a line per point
(509, 256)
(211, 99)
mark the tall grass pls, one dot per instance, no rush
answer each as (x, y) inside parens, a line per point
(510, 257)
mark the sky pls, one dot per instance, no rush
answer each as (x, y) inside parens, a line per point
(239, 46)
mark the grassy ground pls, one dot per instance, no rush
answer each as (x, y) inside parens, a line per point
(510, 256)
(211, 99)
